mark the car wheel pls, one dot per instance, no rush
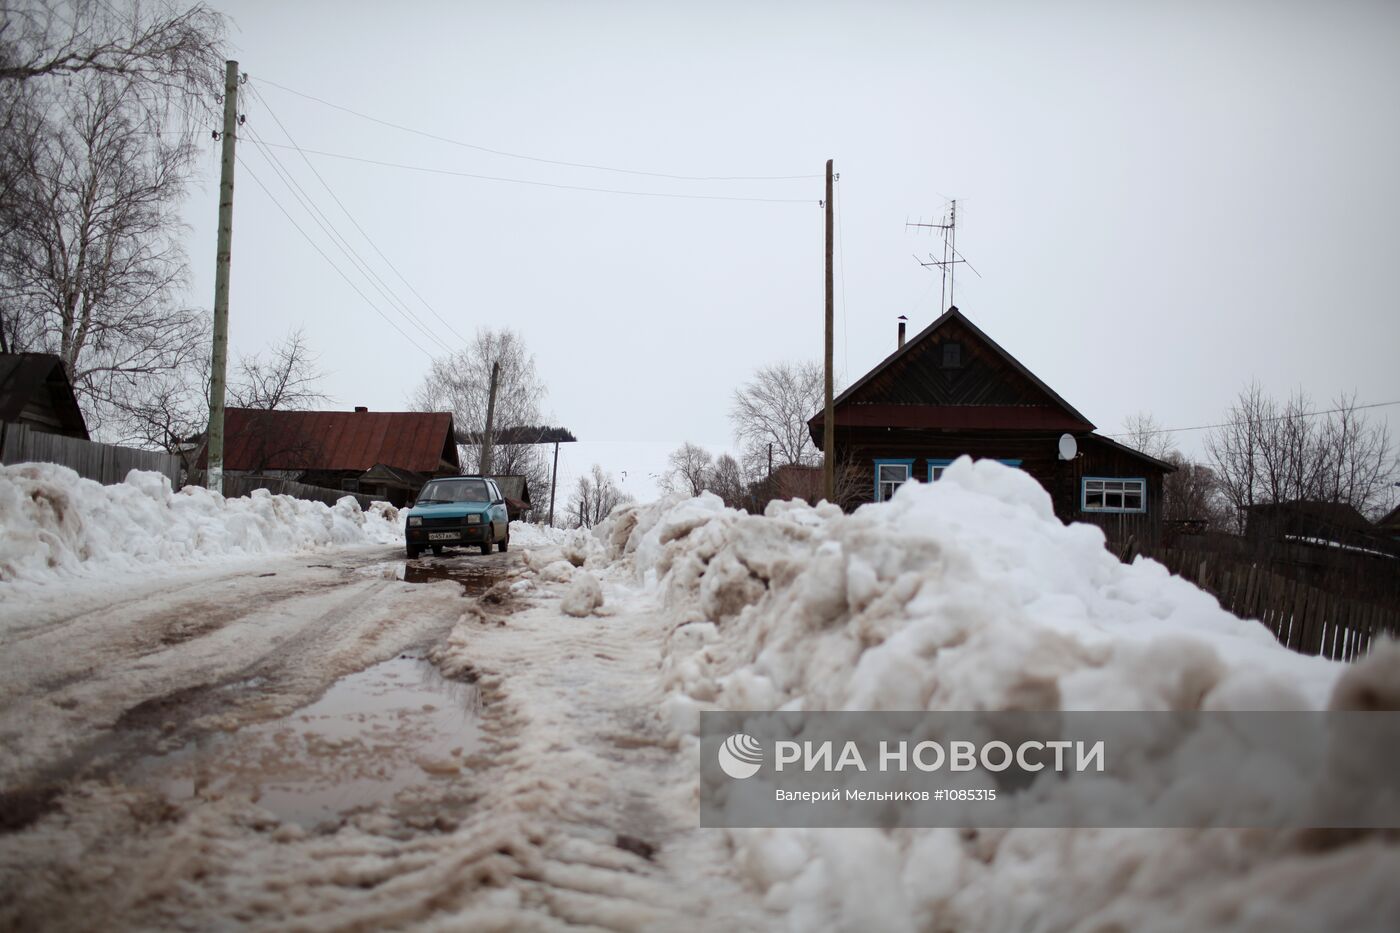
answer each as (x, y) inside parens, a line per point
(412, 552)
(486, 547)
(505, 543)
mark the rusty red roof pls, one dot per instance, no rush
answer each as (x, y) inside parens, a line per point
(338, 440)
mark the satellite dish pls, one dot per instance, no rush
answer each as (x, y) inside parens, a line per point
(1068, 448)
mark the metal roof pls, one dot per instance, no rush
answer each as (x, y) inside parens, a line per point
(338, 440)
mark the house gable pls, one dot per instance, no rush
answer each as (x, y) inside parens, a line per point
(953, 376)
(34, 390)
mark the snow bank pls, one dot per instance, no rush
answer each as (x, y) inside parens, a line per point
(968, 594)
(55, 524)
(528, 534)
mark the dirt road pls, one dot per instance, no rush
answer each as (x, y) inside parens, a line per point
(345, 741)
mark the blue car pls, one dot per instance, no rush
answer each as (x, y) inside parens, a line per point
(455, 511)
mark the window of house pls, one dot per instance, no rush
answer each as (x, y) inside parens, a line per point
(889, 476)
(936, 467)
(1114, 495)
(952, 355)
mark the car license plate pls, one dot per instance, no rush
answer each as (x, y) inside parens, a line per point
(444, 535)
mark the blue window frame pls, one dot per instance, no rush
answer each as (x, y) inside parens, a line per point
(936, 467)
(890, 475)
(1113, 494)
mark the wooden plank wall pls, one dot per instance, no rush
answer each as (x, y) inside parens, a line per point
(1308, 619)
(104, 463)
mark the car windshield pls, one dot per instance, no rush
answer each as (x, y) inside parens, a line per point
(456, 490)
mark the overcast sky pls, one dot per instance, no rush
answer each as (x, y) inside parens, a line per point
(1164, 200)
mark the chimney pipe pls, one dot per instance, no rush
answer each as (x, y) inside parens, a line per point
(361, 408)
(902, 321)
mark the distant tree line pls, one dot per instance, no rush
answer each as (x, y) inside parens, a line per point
(1267, 451)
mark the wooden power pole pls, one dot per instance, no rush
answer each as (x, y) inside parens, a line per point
(553, 483)
(829, 418)
(486, 439)
(218, 364)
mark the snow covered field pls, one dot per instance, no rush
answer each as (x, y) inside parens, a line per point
(591, 656)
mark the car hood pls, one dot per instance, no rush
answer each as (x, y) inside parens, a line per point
(449, 509)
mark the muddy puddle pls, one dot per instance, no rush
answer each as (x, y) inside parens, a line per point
(475, 577)
(379, 736)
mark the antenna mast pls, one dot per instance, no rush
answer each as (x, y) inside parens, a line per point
(951, 257)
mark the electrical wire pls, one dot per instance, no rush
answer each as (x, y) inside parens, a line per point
(356, 223)
(1232, 424)
(327, 258)
(357, 261)
(528, 158)
(548, 184)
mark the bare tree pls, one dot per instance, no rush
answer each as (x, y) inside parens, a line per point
(288, 380)
(152, 43)
(726, 480)
(461, 382)
(92, 260)
(595, 496)
(1270, 452)
(688, 470)
(1142, 432)
(1234, 451)
(773, 408)
(1192, 494)
(96, 105)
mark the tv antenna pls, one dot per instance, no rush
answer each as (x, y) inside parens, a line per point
(948, 226)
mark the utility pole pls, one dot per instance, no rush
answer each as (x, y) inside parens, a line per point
(829, 417)
(486, 439)
(553, 483)
(218, 364)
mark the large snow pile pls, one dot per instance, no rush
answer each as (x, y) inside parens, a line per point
(529, 534)
(968, 594)
(54, 523)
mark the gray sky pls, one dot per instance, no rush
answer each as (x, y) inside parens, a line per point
(1164, 200)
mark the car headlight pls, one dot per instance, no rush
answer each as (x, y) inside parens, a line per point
(415, 520)
(474, 519)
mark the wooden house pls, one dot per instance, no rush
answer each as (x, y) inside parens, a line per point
(382, 454)
(35, 391)
(952, 390)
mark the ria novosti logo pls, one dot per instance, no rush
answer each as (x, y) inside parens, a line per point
(740, 756)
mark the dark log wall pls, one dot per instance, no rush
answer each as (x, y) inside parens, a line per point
(858, 449)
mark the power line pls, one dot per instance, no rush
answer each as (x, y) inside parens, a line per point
(1231, 424)
(546, 184)
(528, 158)
(341, 243)
(346, 210)
(328, 259)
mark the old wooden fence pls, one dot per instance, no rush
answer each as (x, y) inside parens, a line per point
(239, 484)
(1308, 619)
(105, 463)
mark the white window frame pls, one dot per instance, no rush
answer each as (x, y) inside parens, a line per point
(893, 484)
(1106, 488)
